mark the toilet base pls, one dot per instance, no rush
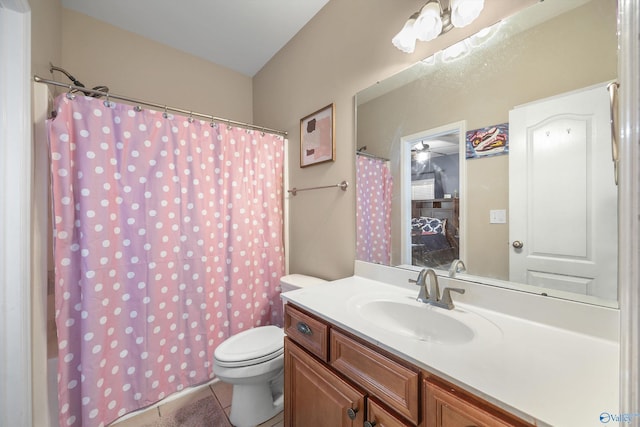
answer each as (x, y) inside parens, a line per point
(253, 404)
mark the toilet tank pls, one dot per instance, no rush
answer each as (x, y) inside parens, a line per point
(291, 282)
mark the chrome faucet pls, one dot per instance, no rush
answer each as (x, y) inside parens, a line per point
(430, 290)
(457, 266)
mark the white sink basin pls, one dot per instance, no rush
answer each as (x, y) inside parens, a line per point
(423, 322)
(405, 316)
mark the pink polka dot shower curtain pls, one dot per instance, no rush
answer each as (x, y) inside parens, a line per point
(167, 240)
(373, 210)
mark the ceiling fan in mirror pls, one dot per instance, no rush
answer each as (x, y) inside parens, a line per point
(421, 152)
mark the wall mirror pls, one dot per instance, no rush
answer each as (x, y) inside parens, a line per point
(515, 87)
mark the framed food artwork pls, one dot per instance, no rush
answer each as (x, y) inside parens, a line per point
(489, 141)
(317, 137)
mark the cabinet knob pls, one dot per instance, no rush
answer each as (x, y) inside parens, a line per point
(370, 424)
(351, 413)
(517, 244)
(303, 328)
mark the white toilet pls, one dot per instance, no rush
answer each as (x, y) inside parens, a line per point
(253, 361)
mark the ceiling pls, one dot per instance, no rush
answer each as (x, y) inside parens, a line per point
(242, 35)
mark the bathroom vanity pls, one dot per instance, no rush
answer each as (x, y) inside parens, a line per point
(319, 389)
(361, 351)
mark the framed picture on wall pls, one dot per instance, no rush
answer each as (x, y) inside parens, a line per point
(317, 137)
(489, 141)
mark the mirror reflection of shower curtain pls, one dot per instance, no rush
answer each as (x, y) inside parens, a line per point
(373, 210)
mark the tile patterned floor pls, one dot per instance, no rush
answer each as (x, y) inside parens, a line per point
(220, 390)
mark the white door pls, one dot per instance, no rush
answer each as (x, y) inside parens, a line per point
(562, 194)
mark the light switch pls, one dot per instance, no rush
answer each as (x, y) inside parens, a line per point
(498, 216)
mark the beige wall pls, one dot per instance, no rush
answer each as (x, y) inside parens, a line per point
(97, 53)
(344, 49)
(575, 50)
(46, 48)
(46, 30)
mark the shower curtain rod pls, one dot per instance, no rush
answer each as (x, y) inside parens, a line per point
(373, 156)
(159, 106)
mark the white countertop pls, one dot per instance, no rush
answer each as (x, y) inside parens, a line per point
(544, 373)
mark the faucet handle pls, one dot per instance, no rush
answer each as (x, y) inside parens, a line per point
(423, 296)
(421, 278)
(446, 300)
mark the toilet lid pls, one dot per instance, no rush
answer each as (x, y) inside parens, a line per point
(251, 347)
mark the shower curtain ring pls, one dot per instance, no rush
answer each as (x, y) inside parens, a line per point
(165, 115)
(106, 102)
(212, 124)
(190, 119)
(70, 95)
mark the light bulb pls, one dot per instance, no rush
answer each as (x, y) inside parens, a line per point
(423, 156)
(428, 25)
(464, 12)
(405, 40)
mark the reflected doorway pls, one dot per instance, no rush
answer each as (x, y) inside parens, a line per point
(432, 185)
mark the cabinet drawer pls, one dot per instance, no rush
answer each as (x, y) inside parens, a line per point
(447, 406)
(310, 333)
(381, 377)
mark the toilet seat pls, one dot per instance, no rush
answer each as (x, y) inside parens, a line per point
(250, 347)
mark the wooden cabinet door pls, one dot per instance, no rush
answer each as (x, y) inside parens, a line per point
(447, 407)
(315, 396)
(377, 416)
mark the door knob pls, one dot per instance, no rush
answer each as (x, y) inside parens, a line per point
(351, 413)
(517, 244)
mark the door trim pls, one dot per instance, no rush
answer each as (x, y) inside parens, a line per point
(629, 206)
(15, 214)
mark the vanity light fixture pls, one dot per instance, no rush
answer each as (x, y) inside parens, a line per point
(436, 17)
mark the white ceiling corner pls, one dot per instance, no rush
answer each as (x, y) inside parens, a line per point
(242, 35)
